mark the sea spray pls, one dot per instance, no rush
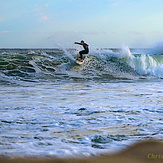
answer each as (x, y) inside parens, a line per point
(143, 64)
(157, 49)
(69, 55)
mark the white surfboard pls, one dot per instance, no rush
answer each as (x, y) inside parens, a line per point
(80, 62)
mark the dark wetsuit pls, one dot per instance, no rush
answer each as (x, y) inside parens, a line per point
(85, 51)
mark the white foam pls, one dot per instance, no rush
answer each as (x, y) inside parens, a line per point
(33, 63)
(143, 64)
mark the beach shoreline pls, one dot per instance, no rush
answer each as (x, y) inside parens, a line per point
(145, 151)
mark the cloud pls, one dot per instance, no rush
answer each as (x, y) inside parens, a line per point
(37, 8)
(40, 8)
(40, 11)
(115, 4)
(135, 32)
(44, 18)
(156, 32)
(2, 32)
(91, 32)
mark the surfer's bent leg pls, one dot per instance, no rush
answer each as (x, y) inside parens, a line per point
(83, 52)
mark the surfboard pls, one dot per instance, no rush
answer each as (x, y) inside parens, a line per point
(79, 62)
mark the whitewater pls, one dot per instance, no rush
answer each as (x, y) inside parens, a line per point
(53, 108)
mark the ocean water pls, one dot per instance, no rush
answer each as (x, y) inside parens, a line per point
(50, 107)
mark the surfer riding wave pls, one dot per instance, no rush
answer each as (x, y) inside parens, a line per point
(85, 51)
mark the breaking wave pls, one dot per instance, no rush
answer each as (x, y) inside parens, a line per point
(59, 64)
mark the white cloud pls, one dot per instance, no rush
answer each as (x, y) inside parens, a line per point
(37, 8)
(1, 32)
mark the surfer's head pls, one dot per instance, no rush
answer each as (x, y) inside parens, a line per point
(82, 42)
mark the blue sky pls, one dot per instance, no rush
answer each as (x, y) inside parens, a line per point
(101, 23)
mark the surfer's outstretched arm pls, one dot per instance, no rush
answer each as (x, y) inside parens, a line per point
(77, 43)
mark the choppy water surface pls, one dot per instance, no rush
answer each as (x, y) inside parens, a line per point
(78, 119)
(51, 107)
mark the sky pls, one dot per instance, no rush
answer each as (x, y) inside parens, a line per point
(100, 23)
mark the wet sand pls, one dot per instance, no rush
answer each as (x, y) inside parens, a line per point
(142, 152)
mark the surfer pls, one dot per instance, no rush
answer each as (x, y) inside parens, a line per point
(85, 51)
